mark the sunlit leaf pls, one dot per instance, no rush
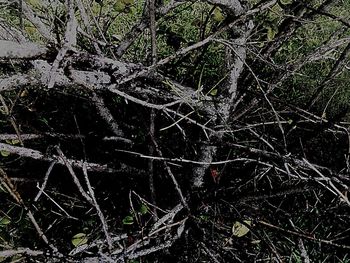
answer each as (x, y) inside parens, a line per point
(79, 239)
(34, 3)
(286, 2)
(4, 153)
(123, 5)
(4, 221)
(260, 44)
(217, 15)
(128, 220)
(239, 229)
(119, 6)
(214, 92)
(15, 141)
(271, 33)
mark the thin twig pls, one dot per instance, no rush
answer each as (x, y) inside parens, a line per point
(74, 176)
(46, 178)
(314, 239)
(340, 194)
(6, 182)
(98, 209)
(150, 164)
(152, 25)
(37, 155)
(171, 175)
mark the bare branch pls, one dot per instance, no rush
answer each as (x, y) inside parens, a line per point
(10, 49)
(37, 155)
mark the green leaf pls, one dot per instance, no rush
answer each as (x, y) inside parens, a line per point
(239, 229)
(128, 220)
(4, 153)
(123, 5)
(34, 3)
(15, 141)
(4, 221)
(128, 2)
(271, 33)
(119, 6)
(143, 209)
(286, 2)
(79, 239)
(214, 92)
(217, 15)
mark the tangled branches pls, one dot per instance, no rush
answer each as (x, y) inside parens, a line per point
(164, 121)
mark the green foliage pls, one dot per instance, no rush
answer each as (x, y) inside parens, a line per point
(218, 16)
(4, 153)
(123, 5)
(120, 16)
(308, 37)
(128, 220)
(4, 221)
(79, 239)
(271, 32)
(286, 2)
(143, 209)
(240, 229)
(183, 27)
